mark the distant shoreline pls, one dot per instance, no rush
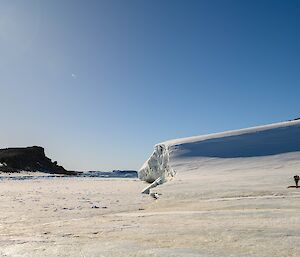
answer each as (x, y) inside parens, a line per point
(29, 175)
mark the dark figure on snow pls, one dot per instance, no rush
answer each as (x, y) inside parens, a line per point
(296, 178)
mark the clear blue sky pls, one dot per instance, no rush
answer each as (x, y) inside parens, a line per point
(98, 83)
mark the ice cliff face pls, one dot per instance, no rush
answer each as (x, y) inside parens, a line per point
(157, 166)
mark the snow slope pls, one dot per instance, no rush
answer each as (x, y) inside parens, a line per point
(269, 140)
(230, 195)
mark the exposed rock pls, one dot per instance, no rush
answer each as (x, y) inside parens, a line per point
(28, 159)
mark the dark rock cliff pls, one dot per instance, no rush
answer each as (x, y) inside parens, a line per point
(28, 159)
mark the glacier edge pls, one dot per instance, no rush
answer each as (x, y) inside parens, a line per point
(157, 170)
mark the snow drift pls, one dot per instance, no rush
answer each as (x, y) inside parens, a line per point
(259, 141)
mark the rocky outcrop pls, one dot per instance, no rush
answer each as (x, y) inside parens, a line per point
(28, 159)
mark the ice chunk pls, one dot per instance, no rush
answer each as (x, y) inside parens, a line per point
(157, 166)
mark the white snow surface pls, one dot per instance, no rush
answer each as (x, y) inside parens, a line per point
(268, 140)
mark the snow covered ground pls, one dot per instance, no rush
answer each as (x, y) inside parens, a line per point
(228, 198)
